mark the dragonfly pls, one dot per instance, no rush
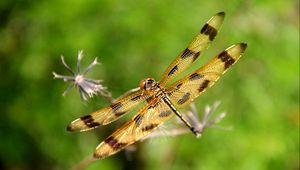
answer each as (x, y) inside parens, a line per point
(161, 100)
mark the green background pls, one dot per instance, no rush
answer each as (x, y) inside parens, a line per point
(137, 39)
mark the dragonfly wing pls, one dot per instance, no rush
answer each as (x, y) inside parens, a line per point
(108, 114)
(184, 91)
(194, 49)
(149, 118)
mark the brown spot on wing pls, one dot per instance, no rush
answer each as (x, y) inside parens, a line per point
(153, 105)
(89, 121)
(149, 127)
(184, 98)
(195, 76)
(116, 106)
(196, 56)
(243, 46)
(114, 143)
(229, 63)
(136, 98)
(226, 58)
(173, 70)
(210, 31)
(70, 128)
(178, 86)
(138, 119)
(204, 85)
(165, 113)
(120, 113)
(189, 53)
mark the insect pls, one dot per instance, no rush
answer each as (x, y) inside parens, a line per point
(162, 100)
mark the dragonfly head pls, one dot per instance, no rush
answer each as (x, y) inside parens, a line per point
(147, 84)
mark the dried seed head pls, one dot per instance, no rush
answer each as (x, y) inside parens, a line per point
(87, 87)
(192, 116)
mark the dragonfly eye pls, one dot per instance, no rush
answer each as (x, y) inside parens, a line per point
(147, 84)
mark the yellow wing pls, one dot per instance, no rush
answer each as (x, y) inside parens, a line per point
(156, 112)
(191, 86)
(144, 122)
(194, 49)
(108, 114)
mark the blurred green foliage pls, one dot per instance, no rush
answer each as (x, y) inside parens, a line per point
(137, 39)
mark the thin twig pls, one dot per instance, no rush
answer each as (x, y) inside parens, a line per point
(84, 163)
